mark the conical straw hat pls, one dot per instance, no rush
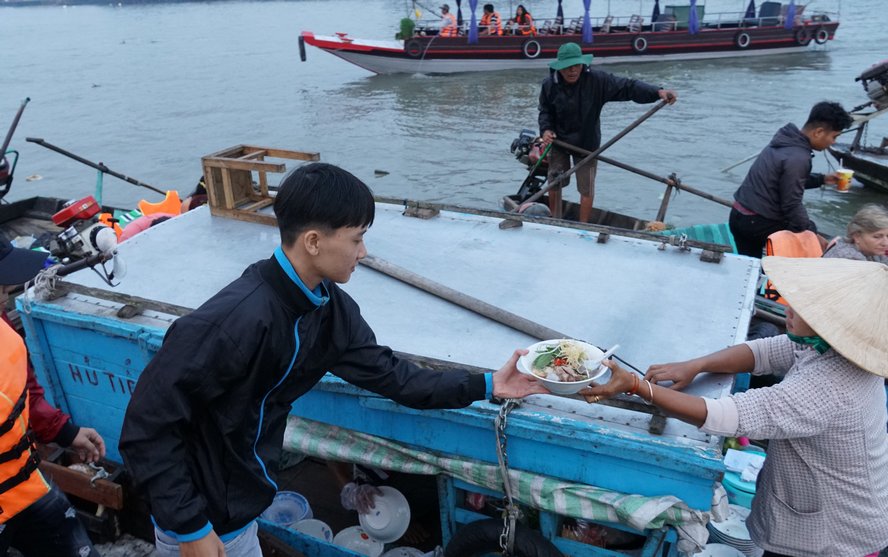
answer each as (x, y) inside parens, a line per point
(844, 301)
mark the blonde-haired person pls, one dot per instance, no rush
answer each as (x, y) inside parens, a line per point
(867, 237)
(824, 487)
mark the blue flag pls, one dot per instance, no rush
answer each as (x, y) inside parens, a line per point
(656, 13)
(459, 19)
(750, 10)
(473, 24)
(790, 15)
(559, 15)
(587, 23)
(693, 21)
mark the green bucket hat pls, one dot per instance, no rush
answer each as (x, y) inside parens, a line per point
(570, 54)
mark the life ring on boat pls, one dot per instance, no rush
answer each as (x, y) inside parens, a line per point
(531, 49)
(482, 537)
(414, 49)
(821, 36)
(803, 37)
(742, 40)
(639, 44)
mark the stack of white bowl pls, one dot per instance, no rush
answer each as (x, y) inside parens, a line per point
(732, 531)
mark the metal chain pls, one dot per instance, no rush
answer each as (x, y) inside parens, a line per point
(510, 513)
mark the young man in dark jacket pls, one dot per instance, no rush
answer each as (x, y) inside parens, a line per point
(203, 432)
(571, 100)
(770, 197)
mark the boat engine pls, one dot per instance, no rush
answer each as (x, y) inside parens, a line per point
(522, 145)
(82, 236)
(875, 83)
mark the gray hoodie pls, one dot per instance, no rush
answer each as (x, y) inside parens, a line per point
(776, 183)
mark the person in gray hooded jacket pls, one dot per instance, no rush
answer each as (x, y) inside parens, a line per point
(770, 197)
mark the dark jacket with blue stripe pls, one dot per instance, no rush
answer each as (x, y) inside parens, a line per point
(203, 433)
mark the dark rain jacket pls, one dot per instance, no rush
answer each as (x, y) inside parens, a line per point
(776, 182)
(573, 111)
(204, 429)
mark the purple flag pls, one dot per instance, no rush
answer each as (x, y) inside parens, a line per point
(790, 15)
(656, 13)
(693, 20)
(750, 10)
(473, 24)
(587, 23)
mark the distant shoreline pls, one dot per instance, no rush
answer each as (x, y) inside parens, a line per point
(62, 3)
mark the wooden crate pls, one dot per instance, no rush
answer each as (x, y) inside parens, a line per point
(231, 189)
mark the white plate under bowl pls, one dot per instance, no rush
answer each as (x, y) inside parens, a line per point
(390, 516)
(359, 541)
(525, 365)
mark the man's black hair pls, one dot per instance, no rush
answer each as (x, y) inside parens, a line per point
(488, 8)
(828, 115)
(321, 195)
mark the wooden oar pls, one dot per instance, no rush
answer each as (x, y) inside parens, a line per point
(98, 166)
(463, 300)
(594, 154)
(646, 174)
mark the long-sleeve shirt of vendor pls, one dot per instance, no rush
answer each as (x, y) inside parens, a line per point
(573, 112)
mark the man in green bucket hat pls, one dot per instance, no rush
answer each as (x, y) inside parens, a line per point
(571, 100)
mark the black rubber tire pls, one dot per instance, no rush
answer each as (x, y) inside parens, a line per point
(414, 49)
(531, 49)
(639, 44)
(482, 537)
(742, 40)
(821, 36)
(802, 37)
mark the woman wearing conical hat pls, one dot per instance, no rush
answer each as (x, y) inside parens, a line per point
(823, 490)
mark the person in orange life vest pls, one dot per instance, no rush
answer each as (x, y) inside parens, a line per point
(524, 21)
(30, 505)
(491, 22)
(448, 23)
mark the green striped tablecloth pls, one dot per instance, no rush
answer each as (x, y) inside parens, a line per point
(541, 492)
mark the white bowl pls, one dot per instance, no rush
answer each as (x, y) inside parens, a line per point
(287, 509)
(359, 541)
(390, 516)
(525, 365)
(314, 528)
(719, 550)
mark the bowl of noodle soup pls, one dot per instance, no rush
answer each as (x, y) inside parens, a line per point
(562, 365)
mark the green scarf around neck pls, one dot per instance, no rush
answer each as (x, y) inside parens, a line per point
(814, 341)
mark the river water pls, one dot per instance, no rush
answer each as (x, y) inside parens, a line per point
(149, 89)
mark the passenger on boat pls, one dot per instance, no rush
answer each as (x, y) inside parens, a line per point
(522, 22)
(771, 196)
(491, 22)
(824, 486)
(570, 106)
(35, 516)
(449, 27)
(867, 237)
(204, 429)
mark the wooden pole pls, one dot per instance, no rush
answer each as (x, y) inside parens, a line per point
(646, 174)
(463, 300)
(594, 154)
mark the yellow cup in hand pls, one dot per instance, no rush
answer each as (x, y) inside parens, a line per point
(844, 179)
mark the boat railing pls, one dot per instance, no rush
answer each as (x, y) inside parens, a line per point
(638, 23)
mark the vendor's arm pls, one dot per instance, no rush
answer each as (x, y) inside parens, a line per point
(375, 368)
(616, 88)
(194, 365)
(546, 116)
(792, 183)
(734, 359)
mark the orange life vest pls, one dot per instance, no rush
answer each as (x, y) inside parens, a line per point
(493, 23)
(790, 244)
(525, 25)
(21, 484)
(448, 26)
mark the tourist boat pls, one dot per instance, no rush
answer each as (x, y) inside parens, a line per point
(90, 343)
(869, 162)
(678, 33)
